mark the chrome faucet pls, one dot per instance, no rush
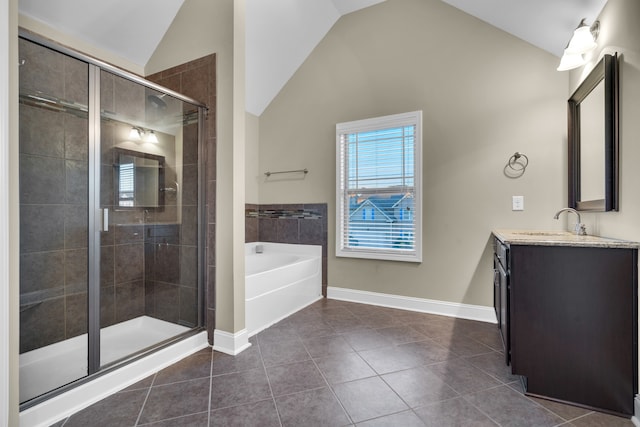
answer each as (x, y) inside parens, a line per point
(580, 229)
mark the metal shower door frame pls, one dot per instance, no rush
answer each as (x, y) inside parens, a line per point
(97, 220)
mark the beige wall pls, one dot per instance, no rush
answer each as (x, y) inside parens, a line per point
(484, 95)
(253, 175)
(619, 32)
(200, 28)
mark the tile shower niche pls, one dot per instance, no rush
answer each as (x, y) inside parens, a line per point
(110, 248)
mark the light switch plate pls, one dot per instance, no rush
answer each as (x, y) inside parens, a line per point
(517, 203)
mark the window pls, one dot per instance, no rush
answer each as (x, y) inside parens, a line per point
(379, 164)
(126, 184)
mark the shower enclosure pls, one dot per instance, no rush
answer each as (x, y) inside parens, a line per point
(110, 202)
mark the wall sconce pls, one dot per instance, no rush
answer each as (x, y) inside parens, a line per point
(135, 134)
(151, 137)
(583, 40)
(139, 134)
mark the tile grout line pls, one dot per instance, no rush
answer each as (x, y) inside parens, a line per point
(410, 408)
(145, 399)
(578, 417)
(380, 376)
(170, 419)
(394, 391)
(544, 407)
(463, 396)
(329, 386)
(264, 367)
(518, 393)
(210, 386)
(400, 397)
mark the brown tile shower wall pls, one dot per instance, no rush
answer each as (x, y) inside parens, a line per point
(147, 249)
(122, 246)
(150, 266)
(171, 280)
(197, 79)
(121, 274)
(304, 224)
(136, 277)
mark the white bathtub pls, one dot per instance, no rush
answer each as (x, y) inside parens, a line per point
(280, 281)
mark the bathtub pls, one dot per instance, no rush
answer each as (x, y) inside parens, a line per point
(279, 281)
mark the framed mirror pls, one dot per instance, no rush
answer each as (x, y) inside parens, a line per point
(139, 180)
(593, 139)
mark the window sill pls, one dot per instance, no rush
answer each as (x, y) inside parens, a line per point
(380, 256)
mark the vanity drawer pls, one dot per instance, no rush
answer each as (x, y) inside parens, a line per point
(502, 252)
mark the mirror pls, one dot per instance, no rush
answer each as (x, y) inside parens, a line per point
(139, 179)
(593, 139)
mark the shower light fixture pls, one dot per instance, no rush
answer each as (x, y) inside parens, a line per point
(583, 41)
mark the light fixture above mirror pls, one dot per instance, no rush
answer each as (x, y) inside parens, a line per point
(583, 41)
(135, 134)
(139, 134)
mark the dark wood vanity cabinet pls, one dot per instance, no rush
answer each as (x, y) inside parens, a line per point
(501, 293)
(571, 323)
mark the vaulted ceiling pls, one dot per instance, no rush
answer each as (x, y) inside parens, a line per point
(282, 33)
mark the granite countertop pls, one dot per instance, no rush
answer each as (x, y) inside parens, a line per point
(559, 238)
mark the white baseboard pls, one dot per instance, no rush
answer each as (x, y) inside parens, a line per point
(229, 343)
(636, 410)
(59, 407)
(444, 308)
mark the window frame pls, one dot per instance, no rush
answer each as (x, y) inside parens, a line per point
(413, 118)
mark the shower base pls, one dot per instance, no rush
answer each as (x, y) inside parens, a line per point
(55, 365)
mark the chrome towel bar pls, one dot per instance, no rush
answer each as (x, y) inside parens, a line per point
(304, 171)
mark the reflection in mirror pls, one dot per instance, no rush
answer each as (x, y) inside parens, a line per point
(592, 135)
(139, 179)
(593, 139)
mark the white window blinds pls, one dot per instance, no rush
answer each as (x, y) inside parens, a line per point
(378, 188)
(126, 184)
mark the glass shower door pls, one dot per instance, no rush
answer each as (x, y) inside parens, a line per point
(149, 186)
(109, 218)
(54, 168)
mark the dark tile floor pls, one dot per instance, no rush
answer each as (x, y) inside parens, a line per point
(337, 364)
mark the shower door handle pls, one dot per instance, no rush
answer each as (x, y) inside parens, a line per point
(105, 220)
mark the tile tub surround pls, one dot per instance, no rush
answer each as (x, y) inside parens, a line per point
(289, 223)
(341, 363)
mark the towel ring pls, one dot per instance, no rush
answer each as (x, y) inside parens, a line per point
(515, 163)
